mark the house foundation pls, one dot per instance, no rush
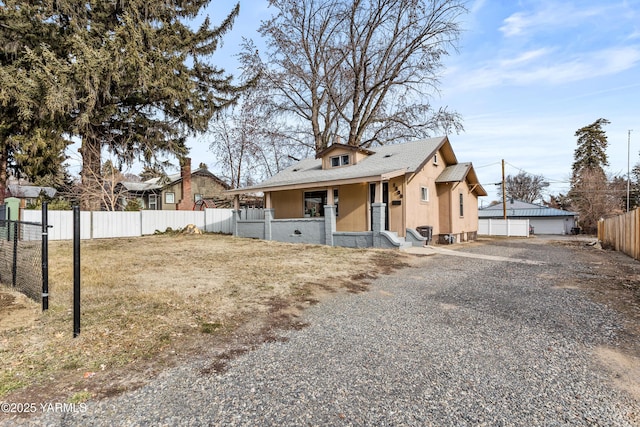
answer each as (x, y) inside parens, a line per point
(322, 230)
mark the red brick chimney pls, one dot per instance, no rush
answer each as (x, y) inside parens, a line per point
(186, 203)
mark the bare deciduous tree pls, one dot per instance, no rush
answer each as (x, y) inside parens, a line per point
(362, 69)
(249, 142)
(595, 196)
(526, 187)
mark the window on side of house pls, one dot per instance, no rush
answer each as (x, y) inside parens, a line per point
(342, 160)
(153, 202)
(314, 202)
(435, 159)
(424, 194)
(170, 197)
(335, 199)
(461, 196)
(197, 198)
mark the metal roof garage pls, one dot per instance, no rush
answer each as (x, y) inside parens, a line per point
(543, 219)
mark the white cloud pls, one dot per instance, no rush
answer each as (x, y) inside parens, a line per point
(634, 35)
(524, 58)
(476, 6)
(550, 16)
(539, 66)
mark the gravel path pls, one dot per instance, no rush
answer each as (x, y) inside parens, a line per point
(451, 341)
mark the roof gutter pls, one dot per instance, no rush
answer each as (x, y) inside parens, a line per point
(316, 184)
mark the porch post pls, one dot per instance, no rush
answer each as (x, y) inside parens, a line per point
(378, 220)
(268, 216)
(235, 216)
(329, 224)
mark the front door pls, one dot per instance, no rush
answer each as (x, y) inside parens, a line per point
(385, 200)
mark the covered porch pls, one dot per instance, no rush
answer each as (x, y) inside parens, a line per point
(349, 213)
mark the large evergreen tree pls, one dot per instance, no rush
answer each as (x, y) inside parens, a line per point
(591, 152)
(591, 193)
(31, 142)
(137, 76)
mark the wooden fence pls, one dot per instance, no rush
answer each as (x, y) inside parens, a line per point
(622, 233)
(95, 225)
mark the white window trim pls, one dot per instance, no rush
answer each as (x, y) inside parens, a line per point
(423, 190)
(341, 160)
(153, 202)
(173, 197)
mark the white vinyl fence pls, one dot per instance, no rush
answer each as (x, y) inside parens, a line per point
(95, 225)
(503, 227)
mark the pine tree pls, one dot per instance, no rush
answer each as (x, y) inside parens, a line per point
(591, 192)
(591, 152)
(31, 142)
(135, 77)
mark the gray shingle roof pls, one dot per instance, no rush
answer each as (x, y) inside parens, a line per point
(30, 191)
(140, 186)
(389, 158)
(454, 173)
(160, 182)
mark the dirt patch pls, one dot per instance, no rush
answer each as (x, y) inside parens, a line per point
(16, 310)
(624, 368)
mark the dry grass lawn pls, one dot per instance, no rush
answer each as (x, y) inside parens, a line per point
(149, 302)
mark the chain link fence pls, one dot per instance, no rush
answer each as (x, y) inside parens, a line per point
(24, 255)
(21, 257)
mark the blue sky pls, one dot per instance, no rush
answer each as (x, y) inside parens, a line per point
(528, 74)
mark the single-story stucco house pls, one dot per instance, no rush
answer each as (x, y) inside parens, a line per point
(387, 196)
(542, 219)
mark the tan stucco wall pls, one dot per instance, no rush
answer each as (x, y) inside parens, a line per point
(421, 213)
(469, 221)
(444, 209)
(287, 204)
(352, 207)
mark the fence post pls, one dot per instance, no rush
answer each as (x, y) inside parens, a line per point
(14, 268)
(76, 271)
(8, 224)
(45, 257)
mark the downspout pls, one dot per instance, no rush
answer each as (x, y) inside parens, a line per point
(404, 207)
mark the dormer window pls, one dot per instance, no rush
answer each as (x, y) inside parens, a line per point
(342, 160)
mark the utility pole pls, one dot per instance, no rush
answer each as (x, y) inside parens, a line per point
(628, 165)
(504, 194)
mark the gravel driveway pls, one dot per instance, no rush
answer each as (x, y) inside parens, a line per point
(449, 341)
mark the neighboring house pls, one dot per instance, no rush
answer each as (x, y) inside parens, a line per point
(542, 219)
(29, 194)
(370, 197)
(187, 190)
